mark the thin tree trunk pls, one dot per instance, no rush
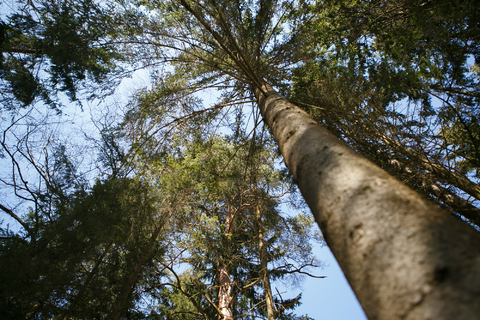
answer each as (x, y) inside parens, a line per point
(225, 285)
(403, 256)
(224, 293)
(457, 204)
(264, 265)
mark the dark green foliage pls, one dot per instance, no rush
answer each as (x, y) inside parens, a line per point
(19, 75)
(65, 39)
(77, 263)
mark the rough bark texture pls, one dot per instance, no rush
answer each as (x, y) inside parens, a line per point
(403, 257)
(224, 293)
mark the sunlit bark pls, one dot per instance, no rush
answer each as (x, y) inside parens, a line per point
(224, 293)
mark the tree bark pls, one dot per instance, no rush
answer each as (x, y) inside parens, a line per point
(403, 256)
(225, 285)
(264, 264)
(224, 293)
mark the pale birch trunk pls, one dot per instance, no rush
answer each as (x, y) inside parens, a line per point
(403, 257)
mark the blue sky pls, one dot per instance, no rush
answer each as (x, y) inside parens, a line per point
(330, 298)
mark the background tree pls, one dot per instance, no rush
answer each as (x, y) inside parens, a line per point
(80, 251)
(219, 239)
(52, 46)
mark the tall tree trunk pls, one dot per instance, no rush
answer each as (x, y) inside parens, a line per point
(403, 256)
(225, 285)
(224, 293)
(264, 264)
